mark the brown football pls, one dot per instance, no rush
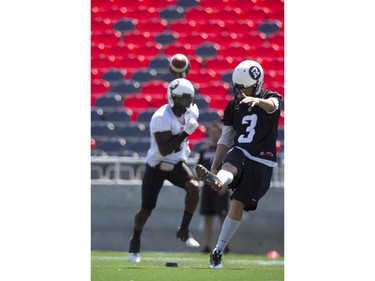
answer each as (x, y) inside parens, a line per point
(179, 65)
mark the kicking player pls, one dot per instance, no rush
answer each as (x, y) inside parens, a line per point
(246, 149)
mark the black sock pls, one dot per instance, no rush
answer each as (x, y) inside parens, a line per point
(186, 220)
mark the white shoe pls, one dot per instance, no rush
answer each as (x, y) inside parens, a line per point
(134, 257)
(192, 243)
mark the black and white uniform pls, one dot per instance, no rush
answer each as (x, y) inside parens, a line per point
(253, 151)
(164, 120)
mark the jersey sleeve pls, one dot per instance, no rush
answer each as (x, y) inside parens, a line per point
(160, 124)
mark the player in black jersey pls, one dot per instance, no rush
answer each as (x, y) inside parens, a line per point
(246, 149)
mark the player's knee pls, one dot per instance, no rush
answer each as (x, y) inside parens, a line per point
(230, 168)
(146, 211)
(192, 187)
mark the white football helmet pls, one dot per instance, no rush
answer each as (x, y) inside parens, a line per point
(248, 73)
(181, 93)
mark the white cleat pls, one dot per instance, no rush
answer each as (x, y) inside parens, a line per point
(192, 243)
(134, 257)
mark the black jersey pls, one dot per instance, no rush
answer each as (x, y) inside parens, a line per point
(256, 130)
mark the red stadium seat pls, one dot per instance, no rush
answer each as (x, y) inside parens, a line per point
(220, 64)
(155, 88)
(132, 63)
(157, 100)
(235, 50)
(148, 49)
(229, 13)
(178, 48)
(137, 102)
(214, 4)
(101, 26)
(153, 25)
(215, 89)
(99, 87)
(220, 104)
(194, 39)
(138, 38)
(203, 76)
(196, 63)
(240, 27)
(120, 52)
(211, 27)
(142, 13)
(106, 39)
(183, 26)
(200, 14)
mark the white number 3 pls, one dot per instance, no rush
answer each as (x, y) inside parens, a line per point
(252, 121)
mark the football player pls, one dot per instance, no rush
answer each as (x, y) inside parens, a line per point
(170, 126)
(246, 151)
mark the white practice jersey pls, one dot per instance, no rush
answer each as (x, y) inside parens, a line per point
(164, 120)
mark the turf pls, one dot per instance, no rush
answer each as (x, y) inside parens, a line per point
(114, 266)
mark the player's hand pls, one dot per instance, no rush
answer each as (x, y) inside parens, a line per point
(251, 101)
(194, 111)
(190, 126)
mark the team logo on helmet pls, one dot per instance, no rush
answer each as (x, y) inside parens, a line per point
(174, 84)
(254, 72)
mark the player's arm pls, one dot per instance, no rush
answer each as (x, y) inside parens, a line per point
(270, 105)
(167, 143)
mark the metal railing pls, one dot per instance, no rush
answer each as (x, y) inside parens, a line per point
(129, 170)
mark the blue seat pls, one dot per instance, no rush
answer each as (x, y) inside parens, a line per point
(158, 63)
(132, 132)
(119, 116)
(172, 13)
(145, 116)
(126, 88)
(188, 3)
(166, 38)
(227, 77)
(209, 116)
(201, 102)
(113, 76)
(113, 146)
(141, 147)
(97, 114)
(109, 101)
(165, 75)
(206, 50)
(144, 75)
(98, 152)
(269, 27)
(102, 130)
(125, 25)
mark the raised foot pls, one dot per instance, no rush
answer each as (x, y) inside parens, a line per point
(208, 178)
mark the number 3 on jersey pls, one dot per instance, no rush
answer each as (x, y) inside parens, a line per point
(252, 121)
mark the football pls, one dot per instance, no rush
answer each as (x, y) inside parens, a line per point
(179, 65)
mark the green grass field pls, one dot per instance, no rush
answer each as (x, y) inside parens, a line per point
(114, 266)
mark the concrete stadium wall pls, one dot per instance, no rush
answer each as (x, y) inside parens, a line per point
(112, 215)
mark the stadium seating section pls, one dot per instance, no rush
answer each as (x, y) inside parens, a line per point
(131, 42)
